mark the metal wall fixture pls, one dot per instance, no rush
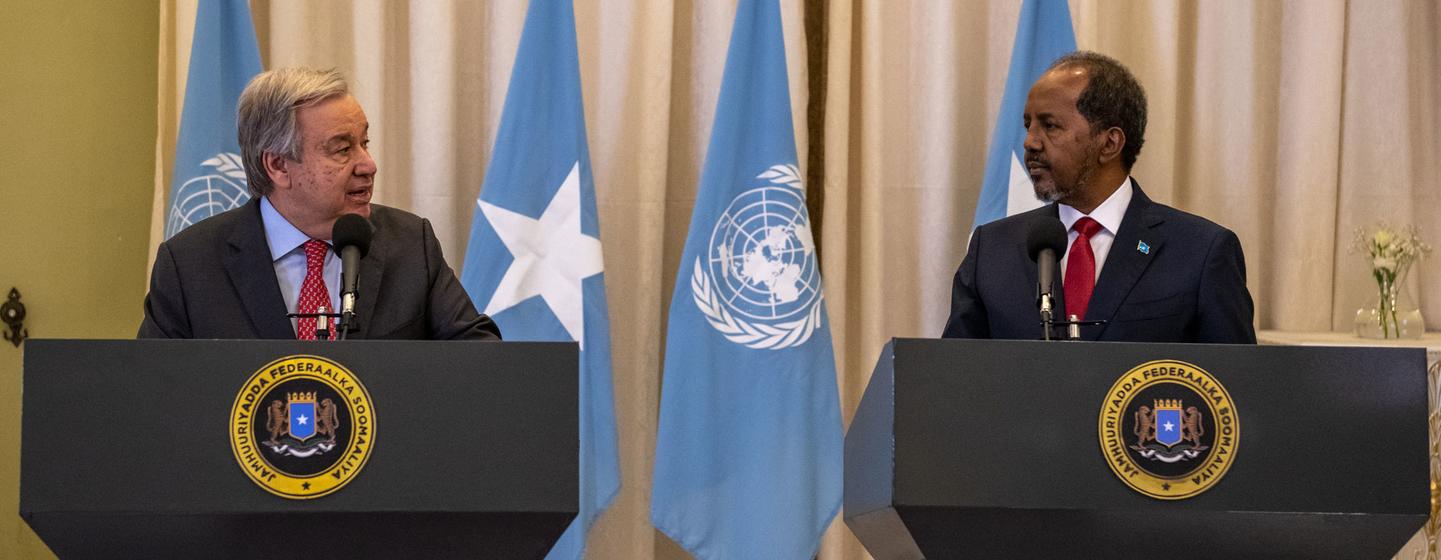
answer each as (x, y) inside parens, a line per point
(13, 312)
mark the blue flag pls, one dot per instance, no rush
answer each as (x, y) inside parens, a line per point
(1043, 35)
(208, 177)
(534, 260)
(748, 455)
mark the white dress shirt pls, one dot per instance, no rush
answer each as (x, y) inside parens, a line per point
(1108, 214)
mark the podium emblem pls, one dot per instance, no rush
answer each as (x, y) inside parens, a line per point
(302, 427)
(1169, 429)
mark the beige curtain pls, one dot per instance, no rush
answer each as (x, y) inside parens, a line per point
(1288, 122)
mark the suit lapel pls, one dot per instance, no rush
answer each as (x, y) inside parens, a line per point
(1126, 261)
(252, 273)
(367, 286)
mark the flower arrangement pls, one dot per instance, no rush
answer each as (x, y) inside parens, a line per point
(1390, 252)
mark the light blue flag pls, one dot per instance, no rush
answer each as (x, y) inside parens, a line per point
(1043, 35)
(208, 177)
(748, 455)
(534, 260)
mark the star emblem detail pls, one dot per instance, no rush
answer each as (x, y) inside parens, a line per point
(552, 256)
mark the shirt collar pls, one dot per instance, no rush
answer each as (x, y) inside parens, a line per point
(280, 234)
(1108, 214)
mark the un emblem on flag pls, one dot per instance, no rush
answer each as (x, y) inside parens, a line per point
(204, 196)
(302, 427)
(759, 283)
(1169, 430)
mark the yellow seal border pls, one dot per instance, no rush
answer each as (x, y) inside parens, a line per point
(1218, 459)
(357, 448)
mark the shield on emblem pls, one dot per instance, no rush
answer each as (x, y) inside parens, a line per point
(1168, 423)
(302, 418)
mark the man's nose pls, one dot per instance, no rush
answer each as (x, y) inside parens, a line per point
(366, 165)
(1033, 139)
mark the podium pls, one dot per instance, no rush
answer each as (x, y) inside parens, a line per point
(997, 449)
(469, 449)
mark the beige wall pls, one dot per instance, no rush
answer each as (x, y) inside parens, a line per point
(77, 153)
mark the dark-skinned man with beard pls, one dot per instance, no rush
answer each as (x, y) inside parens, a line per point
(1142, 271)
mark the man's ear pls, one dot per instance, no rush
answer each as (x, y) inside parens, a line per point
(277, 167)
(1113, 140)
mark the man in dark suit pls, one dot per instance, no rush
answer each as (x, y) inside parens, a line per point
(1151, 272)
(305, 147)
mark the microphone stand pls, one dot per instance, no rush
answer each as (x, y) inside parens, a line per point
(1072, 324)
(1046, 316)
(323, 319)
(347, 314)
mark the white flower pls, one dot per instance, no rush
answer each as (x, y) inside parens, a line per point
(1383, 263)
(1383, 237)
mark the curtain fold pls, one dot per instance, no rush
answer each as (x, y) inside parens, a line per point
(1291, 123)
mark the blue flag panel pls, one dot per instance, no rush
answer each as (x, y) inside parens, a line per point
(748, 455)
(534, 258)
(208, 177)
(1043, 35)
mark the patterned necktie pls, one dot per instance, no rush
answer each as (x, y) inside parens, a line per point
(1081, 268)
(313, 292)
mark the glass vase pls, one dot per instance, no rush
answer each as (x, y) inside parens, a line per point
(1392, 314)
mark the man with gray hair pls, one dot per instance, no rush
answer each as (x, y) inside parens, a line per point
(305, 144)
(1137, 270)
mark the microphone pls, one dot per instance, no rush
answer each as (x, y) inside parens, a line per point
(1045, 240)
(351, 239)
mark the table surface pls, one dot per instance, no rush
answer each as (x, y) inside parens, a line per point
(1431, 341)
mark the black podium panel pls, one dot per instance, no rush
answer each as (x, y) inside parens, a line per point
(126, 451)
(966, 448)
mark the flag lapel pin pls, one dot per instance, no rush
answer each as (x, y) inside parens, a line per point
(1143, 247)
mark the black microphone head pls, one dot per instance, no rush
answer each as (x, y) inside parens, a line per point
(352, 230)
(1045, 232)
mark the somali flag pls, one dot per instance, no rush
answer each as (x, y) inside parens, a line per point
(748, 455)
(1043, 35)
(534, 262)
(208, 177)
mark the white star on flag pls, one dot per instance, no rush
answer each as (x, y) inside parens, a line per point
(552, 256)
(301, 420)
(1168, 426)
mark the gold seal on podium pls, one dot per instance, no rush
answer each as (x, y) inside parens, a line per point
(1169, 429)
(302, 427)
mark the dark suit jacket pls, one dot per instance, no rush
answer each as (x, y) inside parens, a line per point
(1190, 287)
(216, 280)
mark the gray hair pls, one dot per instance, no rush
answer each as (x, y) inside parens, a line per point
(1112, 98)
(265, 116)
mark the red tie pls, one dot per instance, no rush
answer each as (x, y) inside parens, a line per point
(1081, 268)
(314, 294)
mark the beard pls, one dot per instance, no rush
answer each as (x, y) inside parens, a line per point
(1060, 191)
(1054, 191)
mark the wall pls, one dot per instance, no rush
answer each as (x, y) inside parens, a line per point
(77, 157)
